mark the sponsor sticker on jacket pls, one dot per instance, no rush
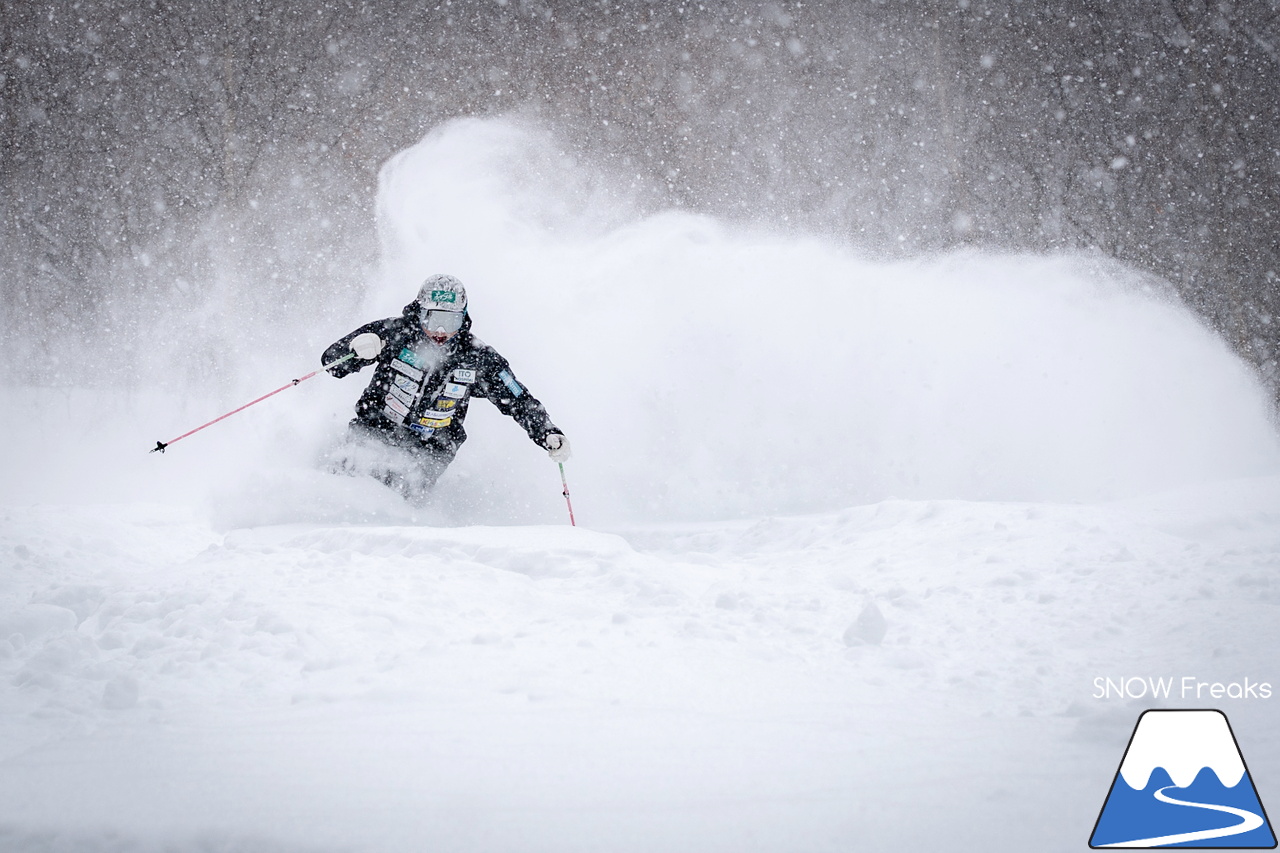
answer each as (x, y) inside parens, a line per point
(464, 375)
(454, 390)
(510, 381)
(412, 372)
(400, 394)
(396, 406)
(436, 421)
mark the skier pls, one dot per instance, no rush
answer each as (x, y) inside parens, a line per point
(428, 366)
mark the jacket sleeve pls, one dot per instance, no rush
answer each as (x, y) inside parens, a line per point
(498, 383)
(342, 347)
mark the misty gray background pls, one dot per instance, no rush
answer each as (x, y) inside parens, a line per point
(162, 158)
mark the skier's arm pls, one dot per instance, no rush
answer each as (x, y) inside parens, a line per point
(344, 346)
(498, 383)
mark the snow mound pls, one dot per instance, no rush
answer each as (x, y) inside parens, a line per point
(669, 687)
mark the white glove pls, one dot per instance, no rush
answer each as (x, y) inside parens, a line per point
(366, 346)
(557, 447)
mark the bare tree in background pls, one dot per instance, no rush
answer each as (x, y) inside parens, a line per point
(228, 151)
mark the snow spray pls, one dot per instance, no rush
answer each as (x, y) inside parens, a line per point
(162, 445)
(718, 371)
(726, 371)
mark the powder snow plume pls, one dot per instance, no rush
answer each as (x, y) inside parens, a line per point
(703, 370)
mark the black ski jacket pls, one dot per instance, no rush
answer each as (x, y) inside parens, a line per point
(421, 389)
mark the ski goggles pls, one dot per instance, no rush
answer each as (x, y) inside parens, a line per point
(447, 323)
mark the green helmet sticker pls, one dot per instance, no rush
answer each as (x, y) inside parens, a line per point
(444, 296)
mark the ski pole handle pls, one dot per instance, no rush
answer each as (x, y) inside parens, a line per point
(161, 445)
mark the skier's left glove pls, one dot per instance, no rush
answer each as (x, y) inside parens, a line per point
(557, 446)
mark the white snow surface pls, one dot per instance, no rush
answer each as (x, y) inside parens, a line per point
(1183, 743)
(1034, 470)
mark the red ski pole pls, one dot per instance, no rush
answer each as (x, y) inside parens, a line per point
(567, 502)
(161, 445)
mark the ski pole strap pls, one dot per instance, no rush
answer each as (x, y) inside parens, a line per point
(161, 445)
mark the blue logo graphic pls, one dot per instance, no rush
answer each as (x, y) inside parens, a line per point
(1183, 783)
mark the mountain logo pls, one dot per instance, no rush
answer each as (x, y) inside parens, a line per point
(1183, 783)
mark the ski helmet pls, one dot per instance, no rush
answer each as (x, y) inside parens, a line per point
(442, 307)
(442, 293)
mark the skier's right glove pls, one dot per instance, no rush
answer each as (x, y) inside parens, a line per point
(366, 346)
(557, 447)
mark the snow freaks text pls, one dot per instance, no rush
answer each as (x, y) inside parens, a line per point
(1185, 687)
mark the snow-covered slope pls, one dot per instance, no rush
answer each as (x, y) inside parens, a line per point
(856, 541)
(399, 688)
